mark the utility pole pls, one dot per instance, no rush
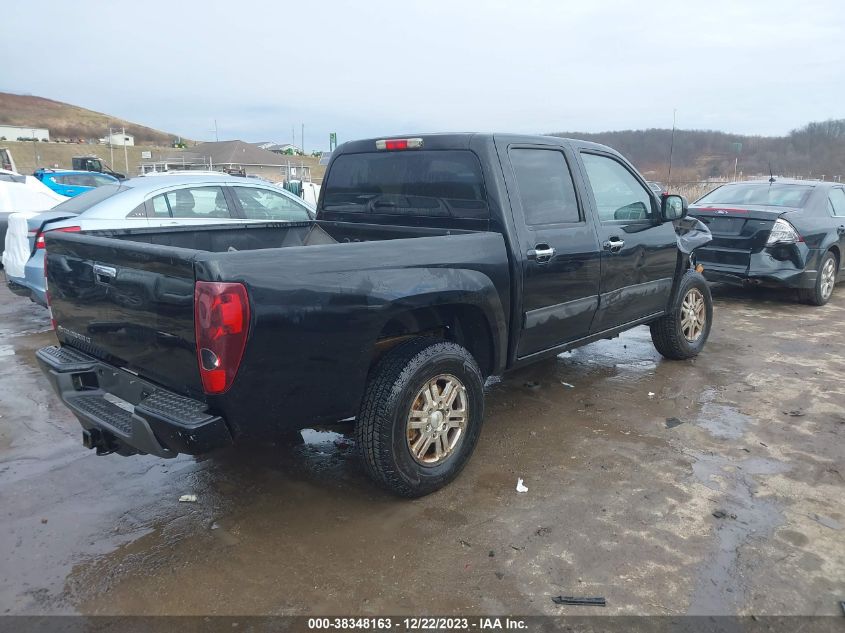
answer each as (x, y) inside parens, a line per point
(737, 148)
(34, 148)
(125, 153)
(671, 149)
(111, 149)
(215, 131)
(302, 139)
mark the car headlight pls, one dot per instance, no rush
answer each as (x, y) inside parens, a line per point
(783, 233)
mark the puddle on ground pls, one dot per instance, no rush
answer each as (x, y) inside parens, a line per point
(629, 358)
(721, 585)
(722, 421)
(321, 436)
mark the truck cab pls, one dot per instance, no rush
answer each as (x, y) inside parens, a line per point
(94, 163)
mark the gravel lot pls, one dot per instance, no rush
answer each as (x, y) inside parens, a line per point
(710, 486)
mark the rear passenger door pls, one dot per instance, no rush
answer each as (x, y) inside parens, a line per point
(639, 252)
(203, 204)
(561, 265)
(260, 203)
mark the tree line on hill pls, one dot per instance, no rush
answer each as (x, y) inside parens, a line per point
(813, 151)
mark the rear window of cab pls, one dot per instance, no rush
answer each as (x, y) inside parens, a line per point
(421, 183)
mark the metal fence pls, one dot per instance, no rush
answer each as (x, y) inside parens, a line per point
(694, 189)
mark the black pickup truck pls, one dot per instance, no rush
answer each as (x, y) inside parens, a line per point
(434, 262)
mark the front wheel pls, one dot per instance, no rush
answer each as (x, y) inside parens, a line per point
(682, 333)
(421, 416)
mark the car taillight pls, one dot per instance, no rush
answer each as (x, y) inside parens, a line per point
(221, 322)
(39, 239)
(783, 233)
(399, 143)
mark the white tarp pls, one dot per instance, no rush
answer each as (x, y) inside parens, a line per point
(16, 253)
(30, 195)
(22, 200)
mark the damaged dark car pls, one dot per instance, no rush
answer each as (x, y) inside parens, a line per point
(775, 233)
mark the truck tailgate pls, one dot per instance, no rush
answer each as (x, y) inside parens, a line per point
(130, 304)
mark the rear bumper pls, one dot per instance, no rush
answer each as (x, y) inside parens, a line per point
(123, 413)
(776, 279)
(14, 285)
(773, 267)
(35, 280)
(33, 285)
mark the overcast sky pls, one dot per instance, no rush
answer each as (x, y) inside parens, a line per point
(372, 68)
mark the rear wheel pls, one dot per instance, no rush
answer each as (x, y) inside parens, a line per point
(822, 290)
(682, 333)
(421, 416)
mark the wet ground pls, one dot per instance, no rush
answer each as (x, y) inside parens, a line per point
(709, 486)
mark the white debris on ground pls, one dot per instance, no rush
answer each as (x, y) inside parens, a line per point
(188, 499)
(521, 487)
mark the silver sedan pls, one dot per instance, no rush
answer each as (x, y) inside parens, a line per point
(147, 201)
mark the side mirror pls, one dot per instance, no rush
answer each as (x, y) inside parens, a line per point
(672, 207)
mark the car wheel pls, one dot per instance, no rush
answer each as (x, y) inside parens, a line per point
(421, 416)
(682, 333)
(822, 290)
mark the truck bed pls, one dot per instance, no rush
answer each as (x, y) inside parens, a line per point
(245, 237)
(319, 292)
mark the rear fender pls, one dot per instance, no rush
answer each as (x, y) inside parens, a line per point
(415, 289)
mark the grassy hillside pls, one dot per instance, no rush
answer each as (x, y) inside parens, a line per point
(812, 151)
(29, 156)
(67, 121)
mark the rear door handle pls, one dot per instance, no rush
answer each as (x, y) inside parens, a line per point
(542, 253)
(614, 245)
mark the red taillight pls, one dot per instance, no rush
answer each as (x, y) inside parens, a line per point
(221, 322)
(399, 143)
(39, 239)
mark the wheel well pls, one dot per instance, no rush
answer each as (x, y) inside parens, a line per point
(465, 325)
(835, 250)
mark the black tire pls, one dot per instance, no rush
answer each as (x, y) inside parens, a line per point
(667, 332)
(381, 428)
(816, 296)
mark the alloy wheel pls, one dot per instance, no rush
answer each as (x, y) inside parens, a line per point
(693, 315)
(438, 420)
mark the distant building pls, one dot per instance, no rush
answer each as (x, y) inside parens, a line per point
(234, 157)
(14, 132)
(118, 140)
(288, 149)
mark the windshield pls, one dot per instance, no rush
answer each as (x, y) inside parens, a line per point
(771, 195)
(441, 183)
(85, 201)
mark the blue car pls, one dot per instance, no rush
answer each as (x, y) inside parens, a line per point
(71, 183)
